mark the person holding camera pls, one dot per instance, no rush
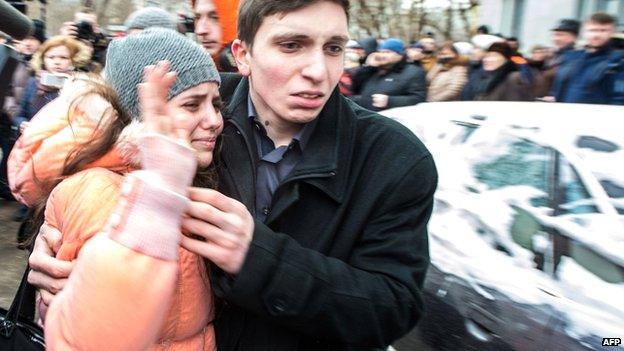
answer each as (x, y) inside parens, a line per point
(85, 28)
(52, 64)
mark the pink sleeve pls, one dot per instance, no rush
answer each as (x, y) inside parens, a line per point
(121, 289)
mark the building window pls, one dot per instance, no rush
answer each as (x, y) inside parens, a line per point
(518, 17)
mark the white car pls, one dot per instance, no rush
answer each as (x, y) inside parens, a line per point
(527, 234)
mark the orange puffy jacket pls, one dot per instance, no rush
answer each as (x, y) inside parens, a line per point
(117, 298)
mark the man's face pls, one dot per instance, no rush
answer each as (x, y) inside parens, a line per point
(28, 46)
(415, 54)
(598, 35)
(207, 26)
(539, 55)
(513, 45)
(563, 39)
(388, 57)
(429, 44)
(296, 61)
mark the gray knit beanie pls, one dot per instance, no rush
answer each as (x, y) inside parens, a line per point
(127, 57)
(150, 17)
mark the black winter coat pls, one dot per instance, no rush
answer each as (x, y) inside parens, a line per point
(405, 84)
(341, 260)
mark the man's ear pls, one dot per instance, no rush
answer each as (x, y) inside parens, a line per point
(241, 53)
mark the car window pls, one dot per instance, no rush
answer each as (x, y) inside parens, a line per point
(573, 195)
(521, 163)
(615, 192)
(596, 264)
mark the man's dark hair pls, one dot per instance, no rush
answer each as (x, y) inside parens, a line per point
(602, 18)
(251, 13)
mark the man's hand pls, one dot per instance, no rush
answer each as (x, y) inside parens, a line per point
(47, 273)
(380, 100)
(69, 28)
(224, 226)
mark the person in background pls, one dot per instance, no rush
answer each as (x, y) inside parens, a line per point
(594, 74)
(564, 37)
(26, 48)
(387, 80)
(539, 57)
(514, 44)
(85, 27)
(369, 45)
(215, 28)
(447, 78)
(483, 29)
(354, 52)
(429, 51)
(537, 62)
(499, 79)
(415, 54)
(53, 62)
(149, 17)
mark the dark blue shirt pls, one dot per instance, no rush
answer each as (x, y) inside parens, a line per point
(275, 163)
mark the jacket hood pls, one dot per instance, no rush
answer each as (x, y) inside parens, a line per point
(57, 131)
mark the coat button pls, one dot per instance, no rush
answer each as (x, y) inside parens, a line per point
(266, 211)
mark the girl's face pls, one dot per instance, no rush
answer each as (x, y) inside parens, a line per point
(57, 59)
(203, 104)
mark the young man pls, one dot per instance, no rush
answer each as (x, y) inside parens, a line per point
(325, 246)
(595, 74)
(215, 28)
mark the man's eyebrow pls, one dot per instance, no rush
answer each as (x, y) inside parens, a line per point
(342, 39)
(339, 39)
(290, 36)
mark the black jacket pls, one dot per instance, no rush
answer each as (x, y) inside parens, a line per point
(404, 83)
(341, 260)
(503, 84)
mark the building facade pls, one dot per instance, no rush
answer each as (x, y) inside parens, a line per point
(531, 20)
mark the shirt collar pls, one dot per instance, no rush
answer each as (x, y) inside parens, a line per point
(302, 137)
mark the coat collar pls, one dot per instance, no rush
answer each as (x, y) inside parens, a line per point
(325, 164)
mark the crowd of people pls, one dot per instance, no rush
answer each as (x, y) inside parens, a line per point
(382, 74)
(230, 184)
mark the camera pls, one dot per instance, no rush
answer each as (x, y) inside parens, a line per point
(187, 23)
(84, 31)
(53, 80)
